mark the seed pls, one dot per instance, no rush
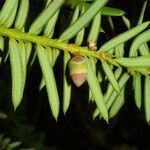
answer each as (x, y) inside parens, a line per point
(78, 70)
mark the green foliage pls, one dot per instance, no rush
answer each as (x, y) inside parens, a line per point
(49, 80)
(7, 144)
(86, 20)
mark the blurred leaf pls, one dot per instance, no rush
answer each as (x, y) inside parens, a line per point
(96, 113)
(109, 11)
(141, 61)
(23, 55)
(96, 91)
(126, 22)
(75, 14)
(144, 49)
(122, 81)
(66, 86)
(6, 10)
(142, 12)
(83, 20)
(14, 145)
(118, 103)
(9, 22)
(5, 142)
(50, 26)
(49, 80)
(94, 31)
(16, 71)
(111, 24)
(140, 39)
(119, 50)
(109, 91)
(137, 89)
(110, 76)
(1, 48)
(80, 35)
(144, 71)
(3, 115)
(93, 66)
(49, 52)
(46, 14)
(123, 37)
(147, 98)
(22, 14)
(28, 50)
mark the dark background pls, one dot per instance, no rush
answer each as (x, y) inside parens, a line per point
(33, 124)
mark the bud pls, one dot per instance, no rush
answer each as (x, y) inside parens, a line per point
(92, 46)
(78, 70)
